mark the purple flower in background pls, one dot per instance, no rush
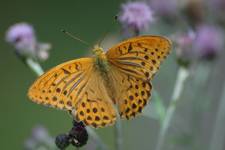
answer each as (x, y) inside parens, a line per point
(22, 37)
(194, 12)
(40, 133)
(135, 15)
(218, 9)
(209, 41)
(164, 7)
(218, 4)
(39, 138)
(184, 47)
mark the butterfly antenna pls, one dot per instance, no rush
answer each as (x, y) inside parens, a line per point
(103, 37)
(116, 18)
(105, 34)
(74, 37)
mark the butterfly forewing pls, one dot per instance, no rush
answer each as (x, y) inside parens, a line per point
(61, 86)
(140, 56)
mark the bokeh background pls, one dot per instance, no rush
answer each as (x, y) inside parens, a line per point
(195, 124)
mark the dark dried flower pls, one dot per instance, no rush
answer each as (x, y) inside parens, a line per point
(62, 141)
(78, 134)
(195, 12)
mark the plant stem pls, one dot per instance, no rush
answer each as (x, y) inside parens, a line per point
(118, 133)
(218, 135)
(95, 136)
(34, 66)
(37, 69)
(178, 88)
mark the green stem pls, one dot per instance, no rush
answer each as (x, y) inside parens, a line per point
(218, 136)
(178, 88)
(118, 133)
(95, 136)
(160, 108)
(34, 66)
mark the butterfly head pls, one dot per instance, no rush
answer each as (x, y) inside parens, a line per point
(98, 51)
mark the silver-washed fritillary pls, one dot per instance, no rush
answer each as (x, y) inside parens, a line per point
(89, 87)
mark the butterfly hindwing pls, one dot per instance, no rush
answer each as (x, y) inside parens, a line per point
(95, 108)
(131, 95)
(137, 96)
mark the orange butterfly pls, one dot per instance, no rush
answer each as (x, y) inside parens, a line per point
(90, 87)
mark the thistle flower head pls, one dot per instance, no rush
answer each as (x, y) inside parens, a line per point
(135, 15)
(218, 4)
(39, 138)
(22, 37)
(40, 133)
(209, 41)
(184, 47)
(164, 7)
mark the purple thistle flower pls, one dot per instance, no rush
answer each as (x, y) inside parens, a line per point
(164, 7)
(39, 138)
(184, 49)
(30, 144)
(22, 37)
(135, 15)
(209, 41)
(217, 4)
(39, 133)
(218, 8)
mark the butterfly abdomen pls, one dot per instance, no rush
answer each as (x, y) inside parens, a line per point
(102, 65)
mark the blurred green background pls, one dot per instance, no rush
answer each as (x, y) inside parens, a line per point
(88, 20)
(191, 127)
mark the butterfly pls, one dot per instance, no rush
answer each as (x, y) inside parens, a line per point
(94, 89)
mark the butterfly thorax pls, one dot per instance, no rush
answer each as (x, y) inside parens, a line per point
(100, 59)
(102, 65)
